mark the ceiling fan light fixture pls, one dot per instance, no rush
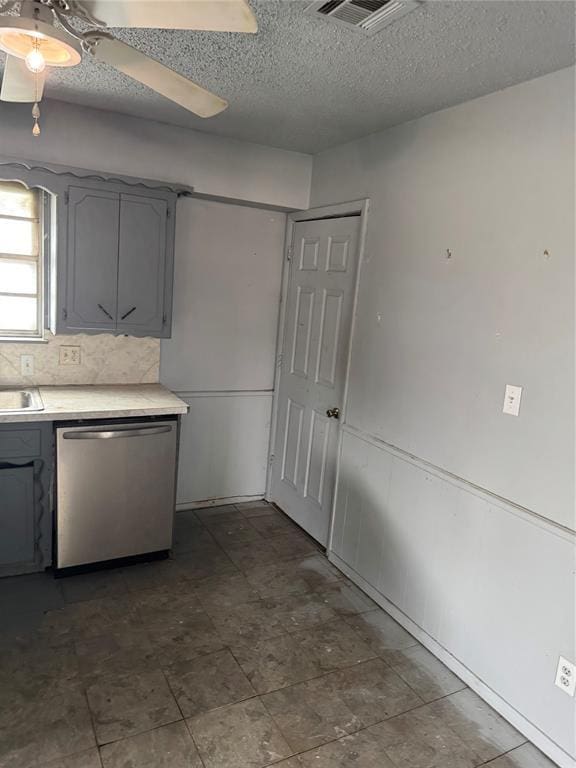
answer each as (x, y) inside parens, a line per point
(26, 38)
(44, 35)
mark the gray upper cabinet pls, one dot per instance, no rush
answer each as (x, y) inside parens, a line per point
(142, 265)
(109, 248)
(119, 261)
(92, 276)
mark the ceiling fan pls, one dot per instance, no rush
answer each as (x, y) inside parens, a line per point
(44, 35)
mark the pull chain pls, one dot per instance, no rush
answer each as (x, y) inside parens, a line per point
(36, 108)
(36, 116)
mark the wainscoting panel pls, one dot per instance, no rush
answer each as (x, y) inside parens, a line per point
(223, 446)
(473, 573)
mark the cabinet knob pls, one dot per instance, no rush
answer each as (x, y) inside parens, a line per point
(333, 413)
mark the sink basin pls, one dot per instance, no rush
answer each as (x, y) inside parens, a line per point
(20, 400)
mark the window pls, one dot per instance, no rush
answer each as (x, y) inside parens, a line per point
(21, 273)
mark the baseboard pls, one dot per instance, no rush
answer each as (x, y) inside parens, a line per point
(217, 502)
(528, 729)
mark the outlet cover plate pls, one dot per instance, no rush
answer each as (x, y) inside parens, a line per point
(69, 355)
(566, 676)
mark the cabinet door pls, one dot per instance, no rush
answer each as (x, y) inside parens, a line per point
(142, 265)
(93, 227)
(16, 515)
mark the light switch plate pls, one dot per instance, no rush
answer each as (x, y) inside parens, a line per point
(512, 398)
(69, 355)
(27, 365)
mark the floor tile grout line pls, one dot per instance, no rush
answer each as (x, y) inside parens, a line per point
(346, 669)
(290, 631)
(213, 709)
(92, 723)
(373, 725)
(130, 590)
(225, 644)
(138, 733)
(339, 738)
(503, 754)
(162, 667)
(131, 595)
(187, 725)
(117, 676)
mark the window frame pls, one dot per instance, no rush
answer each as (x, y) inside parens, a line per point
(42, 275)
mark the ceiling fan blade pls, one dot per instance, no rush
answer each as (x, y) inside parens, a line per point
(19, 84)
(209, 15)
(158, 77)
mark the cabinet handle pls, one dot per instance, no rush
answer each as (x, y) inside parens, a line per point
(105, 312)
(97, 434)
(125, 315)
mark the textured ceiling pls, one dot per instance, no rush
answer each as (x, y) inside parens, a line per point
(303, 83)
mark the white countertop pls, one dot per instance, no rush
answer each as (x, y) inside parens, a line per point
(111, 401)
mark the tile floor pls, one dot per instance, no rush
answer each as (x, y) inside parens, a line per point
(247, 649)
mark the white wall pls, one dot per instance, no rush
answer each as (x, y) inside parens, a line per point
(108, 141)
(220, 358)
(468, 538)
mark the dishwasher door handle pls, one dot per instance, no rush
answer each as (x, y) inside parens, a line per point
(113, 434)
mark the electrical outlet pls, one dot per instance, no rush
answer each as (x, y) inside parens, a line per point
(69, 355)
(512, 400)
(27, 365)
(566, 676)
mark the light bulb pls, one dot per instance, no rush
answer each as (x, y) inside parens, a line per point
(36, 129)
(35, 60)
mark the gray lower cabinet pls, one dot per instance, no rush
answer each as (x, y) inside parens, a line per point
(119, 262)
(17, 516)
(26, 471)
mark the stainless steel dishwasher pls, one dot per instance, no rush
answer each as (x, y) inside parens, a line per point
(116, 485)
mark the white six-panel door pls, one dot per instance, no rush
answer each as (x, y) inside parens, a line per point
(314, 353)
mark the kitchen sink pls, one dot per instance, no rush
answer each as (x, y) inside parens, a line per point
(20, 400)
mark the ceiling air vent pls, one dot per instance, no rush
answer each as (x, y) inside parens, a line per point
(368, 16)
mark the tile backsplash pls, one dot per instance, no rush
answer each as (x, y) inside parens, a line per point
(104, 359)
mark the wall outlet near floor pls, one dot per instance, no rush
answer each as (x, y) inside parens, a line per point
(512, 398)
(69, 355)
(27, 365)
(566, 676)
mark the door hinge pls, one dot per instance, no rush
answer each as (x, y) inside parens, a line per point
(279, 360)
(289, 253)
(66, 197)
(271, 459)
(64, 313)
(168, 213)
(164, 318)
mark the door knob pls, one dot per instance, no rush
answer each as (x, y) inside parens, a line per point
(333, 413)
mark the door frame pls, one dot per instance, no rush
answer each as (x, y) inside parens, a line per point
(360, 208)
